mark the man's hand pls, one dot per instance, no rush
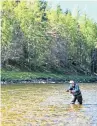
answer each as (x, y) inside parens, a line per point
(72, 92)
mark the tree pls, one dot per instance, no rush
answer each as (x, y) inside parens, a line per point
(38, 38)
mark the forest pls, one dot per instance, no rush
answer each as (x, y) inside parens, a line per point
(36, 37)
(48, 58)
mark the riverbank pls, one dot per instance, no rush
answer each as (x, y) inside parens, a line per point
(8, 77)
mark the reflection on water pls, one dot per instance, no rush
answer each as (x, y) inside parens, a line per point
(75, 107)
(47, 105)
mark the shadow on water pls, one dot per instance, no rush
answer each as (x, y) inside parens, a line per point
(75, 107)
(70, 108)
(90, 104)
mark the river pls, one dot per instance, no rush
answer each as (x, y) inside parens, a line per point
(47, 105)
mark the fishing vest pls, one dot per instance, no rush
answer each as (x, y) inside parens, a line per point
(76, 93)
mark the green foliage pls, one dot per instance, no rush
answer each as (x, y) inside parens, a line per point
(15, 75)
(38, 38)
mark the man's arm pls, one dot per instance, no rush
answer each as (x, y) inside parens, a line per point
(69, 89)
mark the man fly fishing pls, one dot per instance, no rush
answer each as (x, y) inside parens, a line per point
(75, 91)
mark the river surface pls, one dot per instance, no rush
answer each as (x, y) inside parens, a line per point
(47, 105)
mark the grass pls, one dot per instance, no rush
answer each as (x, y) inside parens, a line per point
(27, 75)
(12, 75)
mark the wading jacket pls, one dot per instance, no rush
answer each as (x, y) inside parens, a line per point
(75, 89)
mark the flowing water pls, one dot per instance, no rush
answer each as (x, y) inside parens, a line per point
(47, 105)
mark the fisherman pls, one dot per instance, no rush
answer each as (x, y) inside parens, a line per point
(75, 91)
